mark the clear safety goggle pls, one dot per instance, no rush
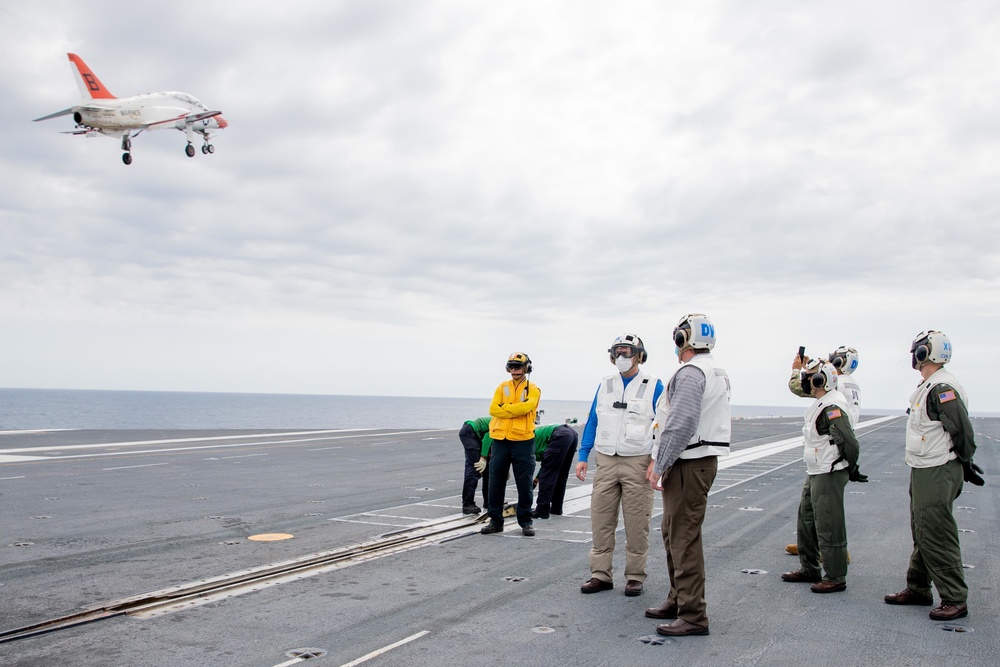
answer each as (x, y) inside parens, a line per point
(626, 351)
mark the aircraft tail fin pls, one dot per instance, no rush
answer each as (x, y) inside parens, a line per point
(90, 86)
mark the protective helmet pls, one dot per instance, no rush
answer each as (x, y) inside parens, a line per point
(932, 346)
(632, 341)
(844, 359)
(694, 331)
(818, 374)
(519, 359)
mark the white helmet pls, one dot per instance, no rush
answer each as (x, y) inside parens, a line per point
(844, 359)
(818, 374)
(932, 346)
(632, 341)
(694, 331)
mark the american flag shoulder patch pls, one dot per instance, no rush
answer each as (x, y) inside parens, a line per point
(946, 396)
(833, 413)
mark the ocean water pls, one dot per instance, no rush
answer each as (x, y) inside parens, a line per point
(25, 409)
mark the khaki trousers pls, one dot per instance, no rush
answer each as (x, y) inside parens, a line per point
(685, 499)
(620, 481)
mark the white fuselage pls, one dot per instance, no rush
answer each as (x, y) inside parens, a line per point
(152, 111)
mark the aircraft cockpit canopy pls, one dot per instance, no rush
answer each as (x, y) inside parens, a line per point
(187, 99)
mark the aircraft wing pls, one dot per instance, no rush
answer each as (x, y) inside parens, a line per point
(64, 112)
(195, 117)
(83, 107)
(90, 134)
(187, 118)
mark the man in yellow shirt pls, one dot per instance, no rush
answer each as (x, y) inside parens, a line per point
(512, 427)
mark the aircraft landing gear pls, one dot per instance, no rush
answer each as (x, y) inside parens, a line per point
(127, 147)
(189, 150)
(207, 148)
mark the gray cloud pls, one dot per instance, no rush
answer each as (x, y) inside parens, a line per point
(444, 181)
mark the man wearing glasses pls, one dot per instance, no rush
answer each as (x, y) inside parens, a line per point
(620, 429)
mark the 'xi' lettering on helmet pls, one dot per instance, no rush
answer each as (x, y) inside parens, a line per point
(930, 346)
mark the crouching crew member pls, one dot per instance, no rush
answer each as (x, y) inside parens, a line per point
(475, 438)
(554, 448)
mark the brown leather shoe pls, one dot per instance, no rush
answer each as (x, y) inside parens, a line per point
(681, 628)
(633, 587)
(949, 611)
(665, 610)
(792, 549)
(827, 586)
(907, 596)
(799, 576)
(594, 585)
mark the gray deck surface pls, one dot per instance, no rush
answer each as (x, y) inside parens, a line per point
(145, 510)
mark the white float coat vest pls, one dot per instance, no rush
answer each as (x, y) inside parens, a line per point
(927, 443)
(819, 451)
(715, 425)
(625, 431)
(848, 386)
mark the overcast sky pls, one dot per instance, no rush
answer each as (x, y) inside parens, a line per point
(409, 191)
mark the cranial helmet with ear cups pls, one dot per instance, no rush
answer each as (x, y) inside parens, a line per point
(844, 359)
(694, 331)
(519, 358)
(932, 346)
(818, 374)
(629, 340)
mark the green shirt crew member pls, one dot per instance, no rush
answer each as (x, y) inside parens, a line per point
(555, 447)
(475, 438)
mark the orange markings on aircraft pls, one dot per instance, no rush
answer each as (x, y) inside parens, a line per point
(94, 85)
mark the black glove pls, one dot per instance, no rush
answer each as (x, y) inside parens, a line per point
(854, 475)
(971, 477)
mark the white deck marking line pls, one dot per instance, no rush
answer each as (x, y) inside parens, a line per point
(354, 434)
(238, 456)
(373, 523)
(4, 458)
(18, 477)
(147, 465)
(386, 649)
(35, 430)
(581, 494)
(156, 451)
